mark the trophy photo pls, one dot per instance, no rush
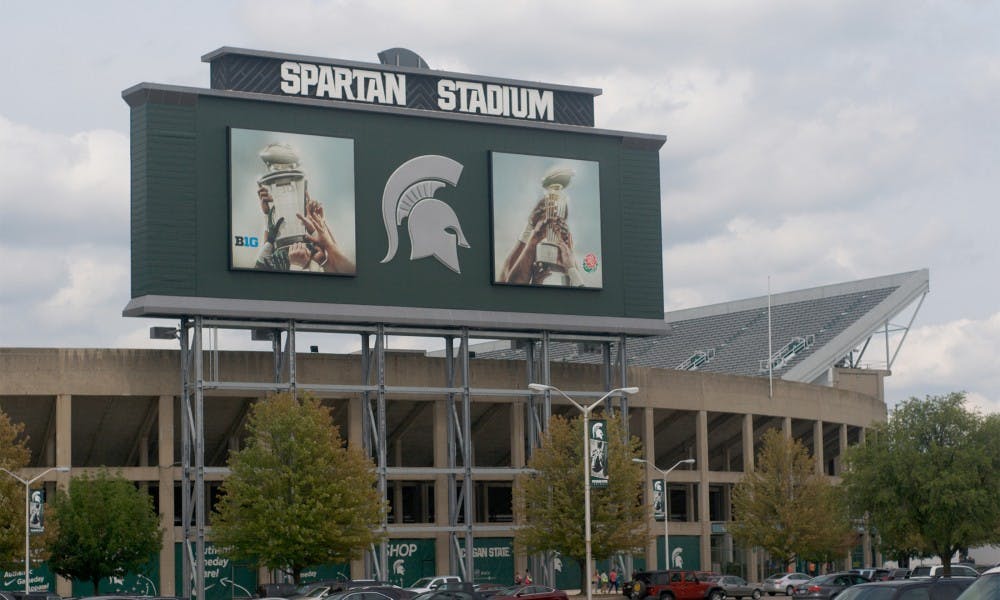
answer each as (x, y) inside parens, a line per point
(556, 208)
(287, 185)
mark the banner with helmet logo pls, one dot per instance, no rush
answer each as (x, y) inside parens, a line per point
(598, 453)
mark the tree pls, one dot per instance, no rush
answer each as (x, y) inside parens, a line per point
(14, 455)
(104, 526)
(550, 499)
(788, 509)
(928, 478)
(296, 496)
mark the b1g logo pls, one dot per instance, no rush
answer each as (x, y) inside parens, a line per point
(248, 241)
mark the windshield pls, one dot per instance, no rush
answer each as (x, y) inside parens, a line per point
(426, 581)
(874, 592)
(920, 571)
(987, 587)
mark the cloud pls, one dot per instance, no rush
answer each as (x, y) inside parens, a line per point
(64, 189)
(959, 355)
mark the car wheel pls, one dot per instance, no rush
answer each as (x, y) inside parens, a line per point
(789, 591)
(755, 595)
(716, 595)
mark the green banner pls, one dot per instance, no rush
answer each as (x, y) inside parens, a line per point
(567, 572)
(42, 579)
(146, 582)
(492, 560)
(598, 453)
(321, 572)
(659, 500)
(409, 560)
(224, 579)
(685, 552)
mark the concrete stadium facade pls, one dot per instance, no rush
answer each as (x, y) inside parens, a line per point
(93, 408)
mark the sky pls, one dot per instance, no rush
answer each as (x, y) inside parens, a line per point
(809, 143)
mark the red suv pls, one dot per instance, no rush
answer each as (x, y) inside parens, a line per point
(673, 585)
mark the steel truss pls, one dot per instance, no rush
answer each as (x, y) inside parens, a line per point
(373, 390)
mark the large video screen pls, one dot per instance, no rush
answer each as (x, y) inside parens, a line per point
(546, 221)
(291, 202)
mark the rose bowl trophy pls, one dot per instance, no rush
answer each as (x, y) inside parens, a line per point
(555, 200)
(287, 185)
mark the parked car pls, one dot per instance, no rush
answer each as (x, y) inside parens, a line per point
(895, 574)
(372, 592)
(682, 585)
(872, 574)
(909, 589)
(938, 571)
(488, 590)
(987, 587)
(828, 586)
(737, 587)
(427, 584)
(530, 592)
(783, 583)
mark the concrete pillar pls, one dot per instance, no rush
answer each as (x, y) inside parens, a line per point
(748, 456)
(786, 427)
(165, 470)
(705, 521)
(517, 434)
(355, 416)
(818, 446)
(842, 447)
(64, 458)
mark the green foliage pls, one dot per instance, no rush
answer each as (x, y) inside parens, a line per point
(786, 508)
(13, 457)
(104, 526)
(550, 501)
(296, 496)
(928, 478)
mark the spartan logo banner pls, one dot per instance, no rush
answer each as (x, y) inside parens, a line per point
(292, 202)
(599, 453)
(659, 500)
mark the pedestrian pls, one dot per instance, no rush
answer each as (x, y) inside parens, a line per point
(604, 582)
(613, 579)
(517, 578)
(527, 578)
(596, 582)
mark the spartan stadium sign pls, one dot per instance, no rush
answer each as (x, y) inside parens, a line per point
(399, 86)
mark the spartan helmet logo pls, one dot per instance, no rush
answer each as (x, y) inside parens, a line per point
(433, 225)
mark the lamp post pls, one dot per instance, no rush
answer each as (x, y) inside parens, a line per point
(27, 519)
(666, 503)
(540, 387)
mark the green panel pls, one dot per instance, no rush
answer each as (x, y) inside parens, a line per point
(492, 560)
(42, 579)
(321, 572)
(685, 552)
(409, 560)
(224, 579)
(181, 211)
(164, 197)
(144, 583)
(567, 573)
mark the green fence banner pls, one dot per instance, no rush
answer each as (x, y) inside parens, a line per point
(224, 579)
(492, 560)
(409, 560)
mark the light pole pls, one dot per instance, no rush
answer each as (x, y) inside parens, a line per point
(666, 503)
(27, 519)
(540, 387)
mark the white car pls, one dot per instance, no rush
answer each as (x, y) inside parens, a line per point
(987, 587)
(427, 584)
(784, 583)
(938, 570)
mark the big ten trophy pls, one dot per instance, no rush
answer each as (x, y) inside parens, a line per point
(556, 207)
(287, 185)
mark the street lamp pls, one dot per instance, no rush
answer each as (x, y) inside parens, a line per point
(666, 503)
(540, 387)
(27, 519)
